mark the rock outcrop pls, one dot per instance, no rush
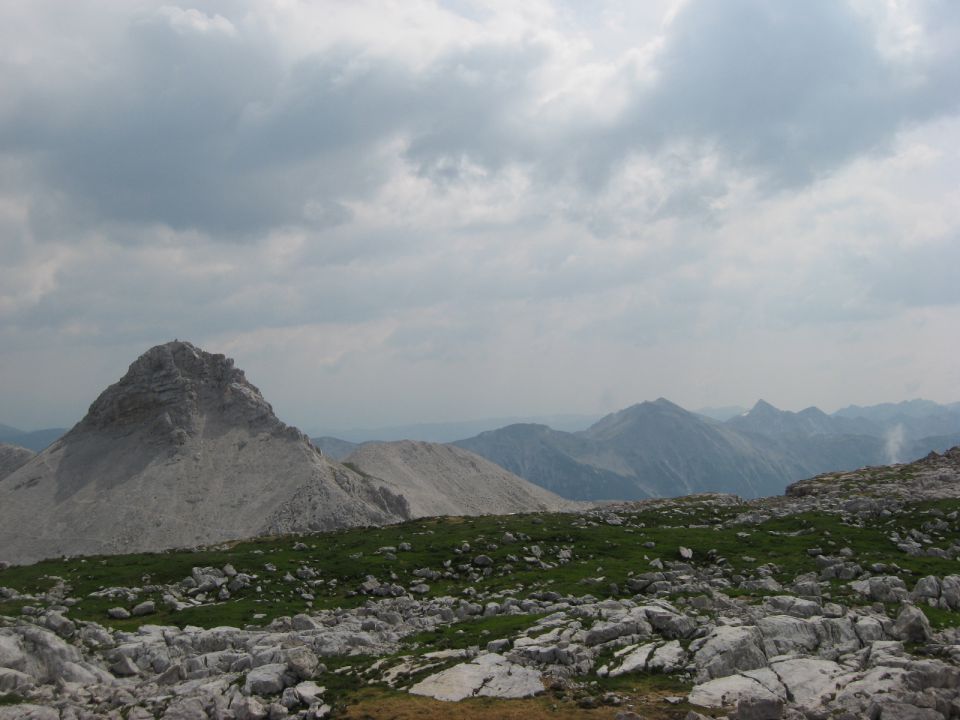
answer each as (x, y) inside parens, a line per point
(182, 451)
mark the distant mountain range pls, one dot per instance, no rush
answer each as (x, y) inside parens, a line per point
(659, 449)
(445, 432)
(35, 440)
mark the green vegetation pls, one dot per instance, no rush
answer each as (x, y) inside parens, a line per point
(10, 699)
(603, 558)
(473, 633)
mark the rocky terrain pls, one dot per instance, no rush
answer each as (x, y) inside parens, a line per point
(184, 451)
(13, 457)
(840, 599)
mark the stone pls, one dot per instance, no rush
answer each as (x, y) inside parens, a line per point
(483, 561)
(309, 692)
(903, 711)
(670, 624)
(28, 711)
(248, 708)
(912, 625)
(757, 708)
(118, 613)
(147, 607)
(950, 591)
(926, 587)
(62, 626)
(728, 649)
(668, 658)
(784, 634)
(302, 662)
(490, 675)
(729, 691)
(123, 666)
(634, 661)
(14, 682)
(809, 680)
(268, 679)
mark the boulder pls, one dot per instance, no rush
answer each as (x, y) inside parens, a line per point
(727, 650)
(783, 634)
(268, 679)
(912, 625)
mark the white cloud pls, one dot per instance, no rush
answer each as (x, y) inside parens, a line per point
(423, 210)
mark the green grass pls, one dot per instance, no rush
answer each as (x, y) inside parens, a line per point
(472, 632)
(602, 554)
(10, 699)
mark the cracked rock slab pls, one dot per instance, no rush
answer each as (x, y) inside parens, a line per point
(490, 675)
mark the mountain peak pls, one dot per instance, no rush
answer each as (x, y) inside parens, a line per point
(170, 385)
(762, 407)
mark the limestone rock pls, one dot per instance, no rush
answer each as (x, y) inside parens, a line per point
(489, 675)
(912, 625)
(728, 649)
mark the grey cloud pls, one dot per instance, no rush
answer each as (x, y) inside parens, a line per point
(212, 131)
(793, 90)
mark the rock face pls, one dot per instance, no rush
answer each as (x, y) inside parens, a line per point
(446, 480)
(182, 451)
(13, 457)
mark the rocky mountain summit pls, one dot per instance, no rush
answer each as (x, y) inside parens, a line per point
(184, 451)
(840, 600)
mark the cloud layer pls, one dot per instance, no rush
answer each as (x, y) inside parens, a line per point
(437, 210)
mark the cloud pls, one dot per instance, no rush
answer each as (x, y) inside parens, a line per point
(420, 189)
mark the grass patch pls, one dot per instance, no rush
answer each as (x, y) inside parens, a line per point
(472, 632)
(602, 555)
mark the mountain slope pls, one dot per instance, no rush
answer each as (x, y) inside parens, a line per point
(445, 480)
(547, 458)
(13, 457)
(181, 451)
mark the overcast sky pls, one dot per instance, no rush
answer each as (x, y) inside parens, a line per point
(407, 211)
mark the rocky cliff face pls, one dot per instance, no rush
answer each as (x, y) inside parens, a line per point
(171, 389)
(182, 451)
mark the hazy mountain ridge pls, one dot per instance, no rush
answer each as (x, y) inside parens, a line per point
(439, 479)
(659, 449)
(35, 440)
(334, 448)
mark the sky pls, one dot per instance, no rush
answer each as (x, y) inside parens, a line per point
(426, 210)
